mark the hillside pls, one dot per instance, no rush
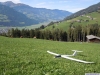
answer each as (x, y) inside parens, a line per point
(90, 9)
(10, 17)
(88, 19)
(39, 14)
(91, 17)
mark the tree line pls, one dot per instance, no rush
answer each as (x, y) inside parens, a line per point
(74, 33)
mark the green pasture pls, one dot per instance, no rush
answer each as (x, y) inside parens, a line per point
(64, 25)
(28, 56)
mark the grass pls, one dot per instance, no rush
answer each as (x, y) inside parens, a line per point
(64, 25)
(24, 56)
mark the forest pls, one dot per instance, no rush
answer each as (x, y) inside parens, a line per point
(73, 34)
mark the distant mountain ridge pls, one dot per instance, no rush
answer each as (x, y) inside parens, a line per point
(10, 17)
(38, 14)
(90, 9)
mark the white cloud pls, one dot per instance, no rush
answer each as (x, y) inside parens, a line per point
(15, 1)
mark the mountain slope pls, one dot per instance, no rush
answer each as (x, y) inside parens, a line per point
(90, 9)
(39, 14)
(10, 17)
(92, 16)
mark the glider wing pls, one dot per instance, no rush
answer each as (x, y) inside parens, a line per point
(53, 53)
(78, 60)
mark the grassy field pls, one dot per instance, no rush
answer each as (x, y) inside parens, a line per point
(24, 56)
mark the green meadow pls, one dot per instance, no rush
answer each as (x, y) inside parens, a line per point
(64, 25)
(28, 56)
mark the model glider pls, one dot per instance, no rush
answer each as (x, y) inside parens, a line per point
(68, 56)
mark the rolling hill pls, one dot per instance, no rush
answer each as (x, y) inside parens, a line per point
(39, 14)
(79, 18)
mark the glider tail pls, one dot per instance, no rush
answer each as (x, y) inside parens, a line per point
(75, 52)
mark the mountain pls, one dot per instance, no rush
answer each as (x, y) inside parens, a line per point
(39, 14)
(10, 17)
(85, 17)
(90, 9)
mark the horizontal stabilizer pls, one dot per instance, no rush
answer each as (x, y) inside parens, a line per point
(77, 51)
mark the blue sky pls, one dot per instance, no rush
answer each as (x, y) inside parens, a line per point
(68, 5)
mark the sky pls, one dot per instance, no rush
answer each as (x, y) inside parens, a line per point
(68, 5)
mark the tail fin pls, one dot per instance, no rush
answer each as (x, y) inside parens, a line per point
(75, 52)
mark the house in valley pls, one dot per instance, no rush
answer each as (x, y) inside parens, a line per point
(92, 38)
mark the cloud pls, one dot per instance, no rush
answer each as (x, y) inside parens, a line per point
(15, 1)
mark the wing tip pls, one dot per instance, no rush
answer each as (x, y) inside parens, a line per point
(89, 62)
(48, 51)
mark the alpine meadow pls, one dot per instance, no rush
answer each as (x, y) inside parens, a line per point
(25, 56)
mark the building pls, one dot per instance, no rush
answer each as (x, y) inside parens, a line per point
(92, 38)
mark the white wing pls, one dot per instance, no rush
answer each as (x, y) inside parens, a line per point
(53, 53)
(75, 59)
